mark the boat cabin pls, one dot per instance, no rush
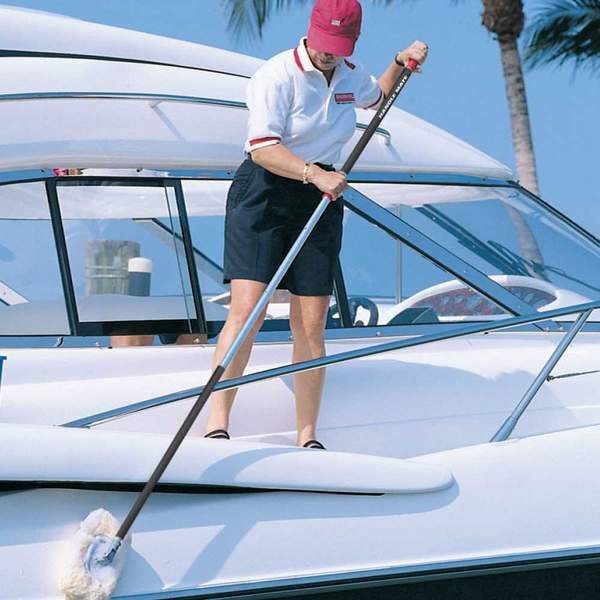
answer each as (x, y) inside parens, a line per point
(114, 170)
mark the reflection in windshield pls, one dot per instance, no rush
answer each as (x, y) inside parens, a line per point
(488, 227)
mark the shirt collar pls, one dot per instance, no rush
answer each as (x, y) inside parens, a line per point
(304, 63)
(302, 58)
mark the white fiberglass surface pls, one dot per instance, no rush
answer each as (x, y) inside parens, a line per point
(41, 31)
(130, 121)
(504, 499)
(418, 400)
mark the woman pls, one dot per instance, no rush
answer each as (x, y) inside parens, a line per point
(302, 112)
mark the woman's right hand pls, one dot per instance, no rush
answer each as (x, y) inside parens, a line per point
(329, 182)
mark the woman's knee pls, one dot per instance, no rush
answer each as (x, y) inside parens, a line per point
(244, 297)
(312, 330)
(239, 315)
(308, 321)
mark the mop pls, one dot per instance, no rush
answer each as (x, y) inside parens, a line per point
(86, 577)
(100, 545)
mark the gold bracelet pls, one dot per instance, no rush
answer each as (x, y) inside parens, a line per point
(305, 173)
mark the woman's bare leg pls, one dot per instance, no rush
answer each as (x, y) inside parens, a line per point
(244, 296)
(307, 321)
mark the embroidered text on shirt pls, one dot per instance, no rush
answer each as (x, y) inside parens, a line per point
(344, 98)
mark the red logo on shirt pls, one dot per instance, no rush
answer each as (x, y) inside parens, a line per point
(344, 98)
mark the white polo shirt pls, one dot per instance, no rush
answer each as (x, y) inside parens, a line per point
(290, 102)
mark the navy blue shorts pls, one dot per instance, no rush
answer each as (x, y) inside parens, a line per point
(264, 216)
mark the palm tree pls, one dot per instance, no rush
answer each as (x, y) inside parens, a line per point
(504, 19)
(248, 17)
(565, 30)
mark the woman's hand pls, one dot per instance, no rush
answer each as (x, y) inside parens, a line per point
(417, 51)
(329, 182)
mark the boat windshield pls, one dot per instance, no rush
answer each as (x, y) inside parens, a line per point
(520, 243)
(118, 256)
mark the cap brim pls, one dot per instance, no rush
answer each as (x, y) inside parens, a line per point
(332, 44)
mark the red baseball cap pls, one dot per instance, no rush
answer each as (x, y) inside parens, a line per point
(335, 26)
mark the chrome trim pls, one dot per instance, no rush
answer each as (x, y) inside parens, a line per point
(387, 136)
(511, 421)
(324, 361)
(559, 215)
(365, 578)
(423, 177)
(154, 99)
(388, 331)
(358, 176)
(576, 374)
(406, 177)
(269, 337)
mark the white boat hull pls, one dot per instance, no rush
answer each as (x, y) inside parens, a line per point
(507, 500)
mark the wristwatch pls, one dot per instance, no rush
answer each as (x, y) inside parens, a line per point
(400, 63)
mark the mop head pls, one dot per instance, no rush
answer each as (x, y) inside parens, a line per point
(84, 577)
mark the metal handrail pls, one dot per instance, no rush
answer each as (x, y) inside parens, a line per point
(380, 130)
(154, 99)
(340, 357)
(511, 422)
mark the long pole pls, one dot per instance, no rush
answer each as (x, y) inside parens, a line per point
(261, 304)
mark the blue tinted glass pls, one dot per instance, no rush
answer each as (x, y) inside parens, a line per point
(31, 294)
(125, 251)
(504, 233)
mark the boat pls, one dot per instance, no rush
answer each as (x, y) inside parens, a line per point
(460, 411)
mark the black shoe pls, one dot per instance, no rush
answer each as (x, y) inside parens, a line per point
(217, 434)
(314, 444)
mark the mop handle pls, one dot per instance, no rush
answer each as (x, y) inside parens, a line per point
(405, 74)
(262, 303)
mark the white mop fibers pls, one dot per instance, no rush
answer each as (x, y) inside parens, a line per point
(79, 583)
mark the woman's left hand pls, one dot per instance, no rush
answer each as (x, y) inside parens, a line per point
(417, 51)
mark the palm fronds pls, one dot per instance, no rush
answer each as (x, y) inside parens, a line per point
(248, 17)
(565, 30)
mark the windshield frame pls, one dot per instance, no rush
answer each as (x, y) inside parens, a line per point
(279, 332)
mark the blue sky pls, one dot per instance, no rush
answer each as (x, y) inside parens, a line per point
(461, 90)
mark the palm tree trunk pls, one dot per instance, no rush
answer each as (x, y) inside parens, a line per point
(519, 113)
(525, 158)
(505, 19)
